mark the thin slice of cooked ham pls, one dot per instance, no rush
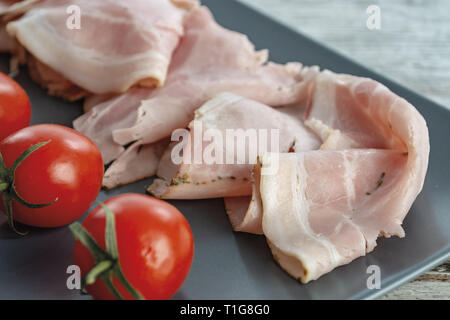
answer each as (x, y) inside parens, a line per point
(4, 5)
(109, 115)
(119, 43)
(209, 60)
(137, 162)
(6, 42)
(245, 213)
(197, 178)
(94, 100)
(52, 81)
(325, 208)
(353, 112)
(322, 208)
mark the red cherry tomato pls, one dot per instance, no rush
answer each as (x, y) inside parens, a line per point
(69, 168)
(15, 109)
(155, 246)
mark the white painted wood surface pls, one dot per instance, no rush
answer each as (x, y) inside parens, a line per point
(412, 47)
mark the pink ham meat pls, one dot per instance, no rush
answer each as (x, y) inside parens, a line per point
(325, 208)
(210, 60)
(6, 42)
(197, 177)
(137, 162)
(110, 114)
(120, 43)
(5, 4)
(245, 213)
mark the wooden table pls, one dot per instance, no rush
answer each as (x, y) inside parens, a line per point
(412, 47)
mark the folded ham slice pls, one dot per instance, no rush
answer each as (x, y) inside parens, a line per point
(137, 162)
(245, 213)
(119, 43)
(209, 60)
(325, 208)
(198, 177)
(110, 114)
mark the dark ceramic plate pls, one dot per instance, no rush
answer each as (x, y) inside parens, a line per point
(230, 265)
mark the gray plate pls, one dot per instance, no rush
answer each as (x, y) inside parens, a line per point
(231, 265)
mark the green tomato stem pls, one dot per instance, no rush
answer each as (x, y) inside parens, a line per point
(7, 201)
(7, 187)
(107, 262)
(109, 284)
(96, 271)
(3, 186)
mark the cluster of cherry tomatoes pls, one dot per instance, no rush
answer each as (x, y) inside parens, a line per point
(130, 247)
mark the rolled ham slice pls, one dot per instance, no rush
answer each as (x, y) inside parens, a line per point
(119, 43)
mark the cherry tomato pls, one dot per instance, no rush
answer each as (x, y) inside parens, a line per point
(154, 242)
(69, 168)
(15, 109)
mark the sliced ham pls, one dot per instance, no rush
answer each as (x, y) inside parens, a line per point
(110, 114)
(209, 60)
(198, 177)
(52, 81)
(6, 42)
(4, 5)
(137, 162)
(353, 112)
(94, 100)
(325, 208)
(120, 43)
(245, 213)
